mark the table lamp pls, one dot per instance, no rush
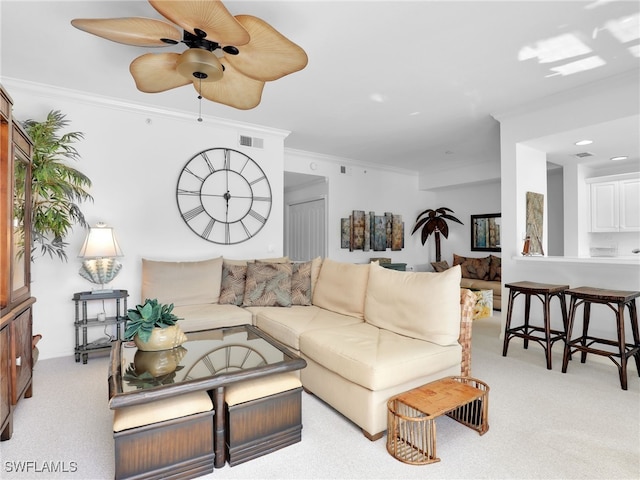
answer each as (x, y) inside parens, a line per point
(99, 252)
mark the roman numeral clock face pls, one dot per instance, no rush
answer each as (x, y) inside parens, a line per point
(223, 196)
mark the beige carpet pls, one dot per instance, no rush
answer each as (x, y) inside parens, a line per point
(543, 424)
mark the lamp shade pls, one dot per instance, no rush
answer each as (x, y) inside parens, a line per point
(100, 243)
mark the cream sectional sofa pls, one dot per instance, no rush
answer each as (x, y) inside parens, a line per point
(366, 332)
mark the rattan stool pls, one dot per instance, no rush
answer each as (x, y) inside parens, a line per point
(545, 336)
(616, 300)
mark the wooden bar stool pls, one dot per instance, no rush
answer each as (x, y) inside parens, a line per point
(616, 300)
(545, 336)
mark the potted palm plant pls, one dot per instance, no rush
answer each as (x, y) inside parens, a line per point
(152, 326)
(57, 188)
(434, 222)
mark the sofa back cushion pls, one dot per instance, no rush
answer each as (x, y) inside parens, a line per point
(182, 283)
(495, 268)
(473, 267)
(341, 287)
(423, 305)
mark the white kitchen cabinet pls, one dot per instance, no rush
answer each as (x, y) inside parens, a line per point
(615, 205)
(629, 191)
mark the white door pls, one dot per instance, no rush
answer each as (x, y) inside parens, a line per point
(306, 236)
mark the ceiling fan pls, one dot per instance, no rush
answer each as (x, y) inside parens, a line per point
(229, 58)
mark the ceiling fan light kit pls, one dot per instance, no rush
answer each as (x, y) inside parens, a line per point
(200, 64)
(228, 60)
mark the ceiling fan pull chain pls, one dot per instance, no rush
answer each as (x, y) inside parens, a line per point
(200, 100)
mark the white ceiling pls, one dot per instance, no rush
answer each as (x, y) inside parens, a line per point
(401, 83)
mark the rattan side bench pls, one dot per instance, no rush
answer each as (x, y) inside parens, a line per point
(411, 416)
(616, 300)
(545, 336)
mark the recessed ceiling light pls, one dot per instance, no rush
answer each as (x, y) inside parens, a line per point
(621, 157)
(584, 142)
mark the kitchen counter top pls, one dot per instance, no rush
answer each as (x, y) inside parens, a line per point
(629, 260)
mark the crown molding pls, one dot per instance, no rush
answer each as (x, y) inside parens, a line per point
(133, 107)
(346, 161)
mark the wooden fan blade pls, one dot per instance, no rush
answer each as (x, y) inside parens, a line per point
(234, 89)
(210, 16)
(142, 32)
(156, 72)
(269, 55)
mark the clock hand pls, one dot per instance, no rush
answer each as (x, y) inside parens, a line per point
(227, 196)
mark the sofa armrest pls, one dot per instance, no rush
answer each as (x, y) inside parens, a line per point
(467, 304)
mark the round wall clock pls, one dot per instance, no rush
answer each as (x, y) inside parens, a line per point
(223, 196)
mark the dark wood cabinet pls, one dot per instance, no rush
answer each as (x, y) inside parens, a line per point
(5, 390)
(16, 332)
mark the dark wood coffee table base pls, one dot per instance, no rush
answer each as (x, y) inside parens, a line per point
(263, 425)
(178, 448)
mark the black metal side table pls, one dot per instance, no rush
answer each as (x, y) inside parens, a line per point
(83, 322)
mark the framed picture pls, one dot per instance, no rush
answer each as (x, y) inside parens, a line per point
(485, 232)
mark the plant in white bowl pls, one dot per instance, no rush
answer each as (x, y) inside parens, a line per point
(152, 326)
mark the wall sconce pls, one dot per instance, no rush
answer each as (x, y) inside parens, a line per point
(100, 250)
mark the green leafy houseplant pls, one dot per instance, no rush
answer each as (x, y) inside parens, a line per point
(434, 222)
(144, 318)
(56, 187)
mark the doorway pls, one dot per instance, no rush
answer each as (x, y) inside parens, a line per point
(305, 217)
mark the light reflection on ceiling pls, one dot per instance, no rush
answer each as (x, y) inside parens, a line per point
(569, 46)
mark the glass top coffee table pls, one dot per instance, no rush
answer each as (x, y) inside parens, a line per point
(208, 360)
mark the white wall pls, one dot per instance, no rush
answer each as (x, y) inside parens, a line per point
(555, 210)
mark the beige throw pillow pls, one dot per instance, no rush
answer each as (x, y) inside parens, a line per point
(341, 287)
(182, 283)
(424, 305)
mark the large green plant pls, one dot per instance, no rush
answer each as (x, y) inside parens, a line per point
(56, 187)
(434, 222)
(144, 318)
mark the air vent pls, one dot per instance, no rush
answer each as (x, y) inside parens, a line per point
(254, 142)
(584, 154)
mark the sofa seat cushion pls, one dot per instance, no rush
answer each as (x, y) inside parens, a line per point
(210, 315)
(248, 390)
(161, 410)
(376, 358)
(287, 324)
